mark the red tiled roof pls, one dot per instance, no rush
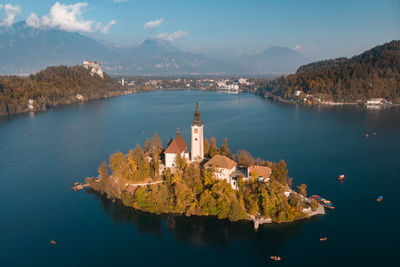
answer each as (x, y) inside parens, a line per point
(262, 171)
(178, 145)
(222, 162)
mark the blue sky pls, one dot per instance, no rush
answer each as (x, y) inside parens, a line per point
(317, 29)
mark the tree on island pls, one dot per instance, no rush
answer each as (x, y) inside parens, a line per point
(279, 172)
(244, 158)
(224, 150)
(302, 189)
(206, 147)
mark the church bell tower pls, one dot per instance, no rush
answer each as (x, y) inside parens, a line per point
(197, 145)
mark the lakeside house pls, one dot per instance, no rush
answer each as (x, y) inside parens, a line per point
(223, 168)
(79, 97)
(30, 104)
(375, 101)
(262, 173)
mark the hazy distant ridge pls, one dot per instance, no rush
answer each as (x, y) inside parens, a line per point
(24, 49)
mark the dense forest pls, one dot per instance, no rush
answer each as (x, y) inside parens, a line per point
(192, 190)
(51, 87)
(372, 74)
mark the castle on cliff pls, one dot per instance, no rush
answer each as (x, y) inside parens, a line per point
(94, 68)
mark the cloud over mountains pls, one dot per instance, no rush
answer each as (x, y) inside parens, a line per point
(172, 36)
(68, 18)
(11, 12)
(152, 24)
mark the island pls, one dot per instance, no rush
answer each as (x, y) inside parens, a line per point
(208, 181)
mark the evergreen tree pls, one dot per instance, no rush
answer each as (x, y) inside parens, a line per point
(213, 147)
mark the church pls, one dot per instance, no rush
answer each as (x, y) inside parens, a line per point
(179, 146)
(223, 167)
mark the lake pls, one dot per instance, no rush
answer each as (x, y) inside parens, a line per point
(65, 145)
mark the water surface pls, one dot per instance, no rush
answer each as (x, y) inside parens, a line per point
(64, 145)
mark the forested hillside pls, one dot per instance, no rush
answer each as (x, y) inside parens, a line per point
(374, 73)
(51, 87)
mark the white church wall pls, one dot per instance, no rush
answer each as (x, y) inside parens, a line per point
(197, 144)
(170, 159)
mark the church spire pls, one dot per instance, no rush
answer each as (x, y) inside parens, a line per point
(197, 121)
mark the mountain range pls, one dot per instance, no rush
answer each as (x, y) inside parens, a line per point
(24, 49)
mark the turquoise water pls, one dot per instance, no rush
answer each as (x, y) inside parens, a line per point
(64, 145)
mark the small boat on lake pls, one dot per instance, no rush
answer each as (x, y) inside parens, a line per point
(326, 203)
(329, 206)
(379, 199)
(323, 239)
(341, 177)
(275, 258)
(79, 186)
(53, 242)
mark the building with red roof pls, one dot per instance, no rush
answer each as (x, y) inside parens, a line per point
(177, 146)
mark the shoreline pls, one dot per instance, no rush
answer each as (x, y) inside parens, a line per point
(329, 103)
(114, 94)
(122, 93)
(269, 97)
(256, 220)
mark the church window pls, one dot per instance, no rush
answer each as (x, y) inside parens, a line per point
(196, 131)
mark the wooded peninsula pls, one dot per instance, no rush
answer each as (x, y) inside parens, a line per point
(51, 87)
(372, 74)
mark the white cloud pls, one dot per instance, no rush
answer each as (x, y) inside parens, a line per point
(105, 29)
(33, 20)
(173, 36)
(152, 24)
(11, 13)
(298, 47)
(68, 18)
(162, 35)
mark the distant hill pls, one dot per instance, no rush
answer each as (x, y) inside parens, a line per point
(151, 47)
(51, 87)
(160, 57)
(24, 49)
(374, 73)
(274, 59)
